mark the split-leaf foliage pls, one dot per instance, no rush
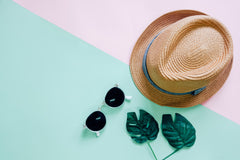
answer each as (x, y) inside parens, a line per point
(143, 130)
(179, 133)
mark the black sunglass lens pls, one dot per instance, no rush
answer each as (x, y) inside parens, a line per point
(115, 97)
(96, 121)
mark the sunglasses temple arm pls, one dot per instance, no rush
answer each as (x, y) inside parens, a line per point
(128, 98)
(97, 134)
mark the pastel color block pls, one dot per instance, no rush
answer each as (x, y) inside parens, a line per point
(114, 27)
(50, 81)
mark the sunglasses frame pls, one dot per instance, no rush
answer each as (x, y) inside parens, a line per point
(126, 98)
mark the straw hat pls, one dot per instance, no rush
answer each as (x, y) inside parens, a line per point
(182, 59)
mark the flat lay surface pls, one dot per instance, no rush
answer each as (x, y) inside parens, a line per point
(114, 27)
(51, 81)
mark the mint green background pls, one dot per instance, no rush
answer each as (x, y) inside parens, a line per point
(50, 81)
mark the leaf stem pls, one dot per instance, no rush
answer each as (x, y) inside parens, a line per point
(171, 154)
(151, 150)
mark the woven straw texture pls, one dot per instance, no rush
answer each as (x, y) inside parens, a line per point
(193, 50)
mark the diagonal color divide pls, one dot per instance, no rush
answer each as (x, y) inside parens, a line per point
(114, 26)
(51, 81)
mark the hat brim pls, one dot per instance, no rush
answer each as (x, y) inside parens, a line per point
(143, 84)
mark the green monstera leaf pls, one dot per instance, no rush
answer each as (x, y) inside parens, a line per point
(143, 130)
(179, 133)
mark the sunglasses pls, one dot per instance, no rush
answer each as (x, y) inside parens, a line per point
(114, 98)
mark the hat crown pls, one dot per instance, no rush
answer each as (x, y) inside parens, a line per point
(188, 54)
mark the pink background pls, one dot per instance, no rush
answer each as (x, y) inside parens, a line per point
(114, 27)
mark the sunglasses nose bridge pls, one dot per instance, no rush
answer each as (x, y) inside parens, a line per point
(100, 107)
